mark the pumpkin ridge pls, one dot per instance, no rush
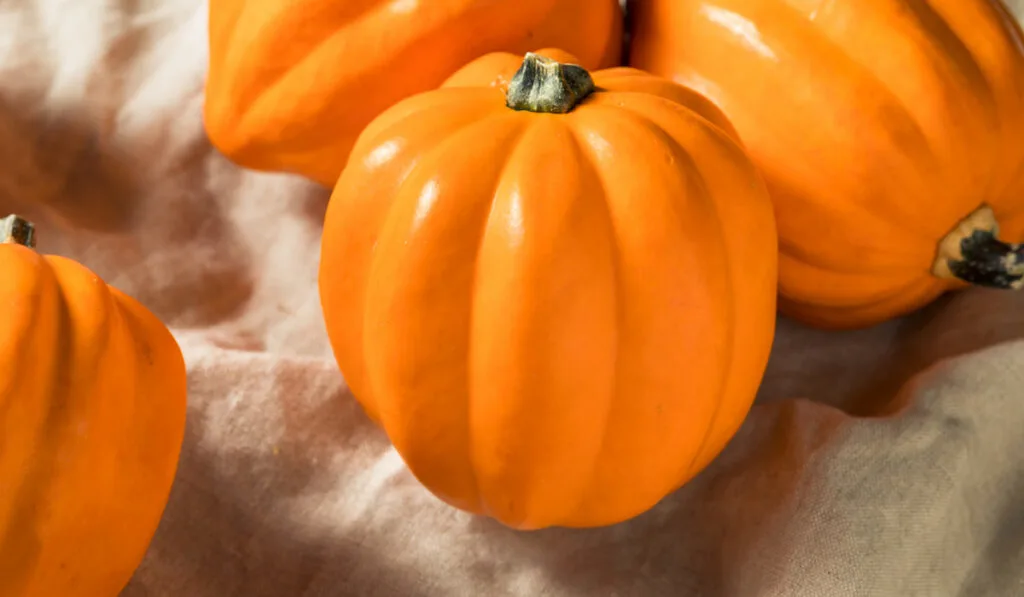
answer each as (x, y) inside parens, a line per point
(411, 188)
(514, 347)
(471, 440)
(265, 98)
(77, 448)
(291, 84)
(907, 262)
(890, 101)
(888, 248)
(371, 65)
(928, 18)
(66, 409)
(924, 145)
(609, 109)
(153, 445)
(623, 99)
(18, 538)
(439, 107)
(75, 288)
(316, 49)
(699, 124)
(686, 158)
(1011, 187)
(19, 232)
(876, 129)
(917, 13)
(440, 112)
(873, 287)
(940, 72)
(729, 354)
(586, 151)
(860, 314)
(887, 288)
(602, 334)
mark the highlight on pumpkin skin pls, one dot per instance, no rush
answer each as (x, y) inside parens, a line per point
(285, 102)
(590, 285)
(887, 131)
(973, 253)
(93, 401)
(545, 85)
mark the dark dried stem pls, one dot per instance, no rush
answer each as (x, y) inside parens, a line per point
(547, 86)
(974, 254)
(988, 261)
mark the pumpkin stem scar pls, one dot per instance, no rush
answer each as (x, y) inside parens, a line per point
(15, 230)
(545, 85)
(973, 253)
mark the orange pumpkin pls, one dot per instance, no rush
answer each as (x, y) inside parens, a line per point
(557, 299)
(92, 415)
(291, 84)
(888, 131)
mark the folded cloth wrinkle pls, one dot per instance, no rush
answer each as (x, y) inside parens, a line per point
(880, 462)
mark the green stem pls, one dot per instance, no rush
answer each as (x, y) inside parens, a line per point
(544, 85)
(15, 230)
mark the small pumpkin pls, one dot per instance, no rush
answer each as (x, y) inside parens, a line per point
(555, 290)
(888, 131)
(292, 83)
(92, 416)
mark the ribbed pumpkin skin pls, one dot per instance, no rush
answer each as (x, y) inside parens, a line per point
(557, 318)
(878, 125)
(292, 83)
(92, 416)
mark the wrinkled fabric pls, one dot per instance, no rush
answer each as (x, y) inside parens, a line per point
(878, 462)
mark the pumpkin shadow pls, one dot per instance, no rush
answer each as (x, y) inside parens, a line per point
(114, 167)
(829, 367)
(57, 166)
(72, 162)
(142, 213)
(685, 544)
(315, 206)
(217, 540)
(861, 372)
(958, 324)
(751, 491)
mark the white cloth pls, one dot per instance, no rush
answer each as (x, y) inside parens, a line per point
(882, 462)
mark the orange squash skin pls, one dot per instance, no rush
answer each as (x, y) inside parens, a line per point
(92, 415)
(557, 318)
(879, 125)
(291, 84)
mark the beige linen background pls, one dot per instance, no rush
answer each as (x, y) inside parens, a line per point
(885, 462)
